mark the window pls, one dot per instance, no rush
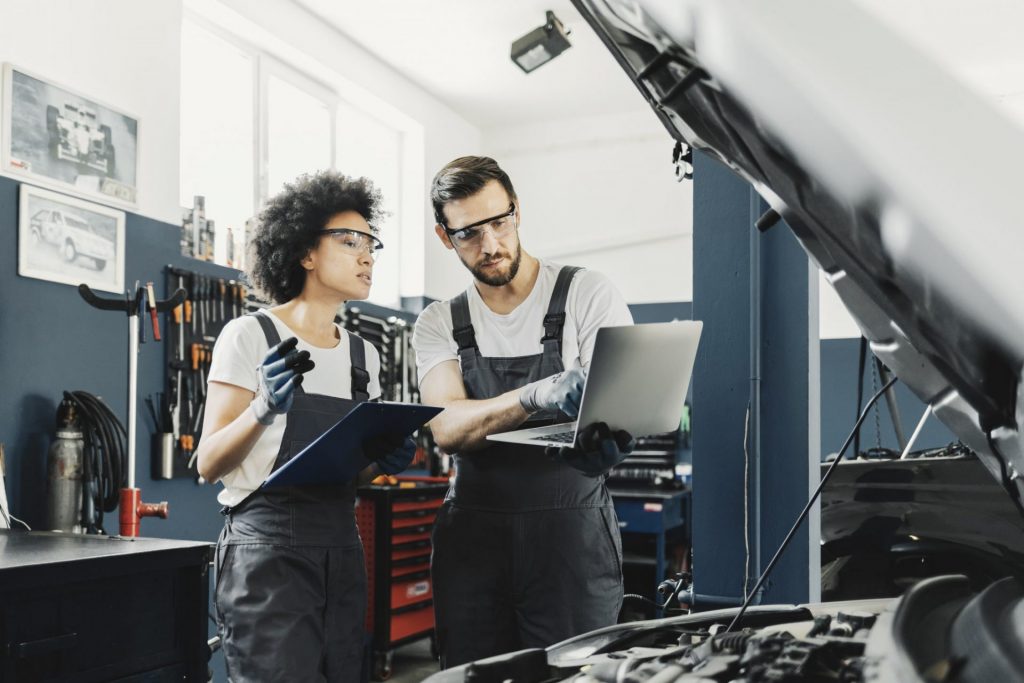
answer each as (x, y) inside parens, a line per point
(217, 130)
(250, 124)
(367, 147)
(298, 131)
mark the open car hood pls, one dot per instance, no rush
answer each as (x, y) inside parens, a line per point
(900, 183)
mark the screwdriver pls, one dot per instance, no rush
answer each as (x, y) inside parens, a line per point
(152, 311)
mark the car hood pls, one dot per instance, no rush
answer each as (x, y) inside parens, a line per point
(898, 181)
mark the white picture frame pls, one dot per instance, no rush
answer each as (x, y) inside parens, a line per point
(58, 138)
(69, 240)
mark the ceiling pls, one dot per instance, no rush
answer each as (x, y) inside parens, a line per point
(458, 50)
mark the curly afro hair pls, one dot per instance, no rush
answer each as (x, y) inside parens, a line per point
(289, 227)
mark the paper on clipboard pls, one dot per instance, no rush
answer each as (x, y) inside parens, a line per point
(336, 456)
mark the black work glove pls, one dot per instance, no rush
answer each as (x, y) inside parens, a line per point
(277, 376)
(392, 453)
(597, 449)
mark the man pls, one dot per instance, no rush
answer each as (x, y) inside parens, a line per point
(526, 547)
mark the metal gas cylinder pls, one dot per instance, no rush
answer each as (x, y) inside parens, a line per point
(64, 473)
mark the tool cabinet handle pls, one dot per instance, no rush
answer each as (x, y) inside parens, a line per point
(44, 646)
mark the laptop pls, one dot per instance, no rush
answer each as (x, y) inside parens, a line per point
(637, 381)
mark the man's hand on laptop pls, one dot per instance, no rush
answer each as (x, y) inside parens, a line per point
(597, 449)
(391, 453)
(561, 391)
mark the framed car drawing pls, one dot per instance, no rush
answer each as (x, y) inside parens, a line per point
(69, 240)
(56, 137)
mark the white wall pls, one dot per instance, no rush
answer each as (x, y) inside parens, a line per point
(599, 192)
(834, 321)
(120, 52)
(128, 54)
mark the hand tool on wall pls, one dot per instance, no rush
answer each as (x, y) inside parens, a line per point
(132, 508)
(152, 311)
(221, 288)
(190, 302)
(199, 292)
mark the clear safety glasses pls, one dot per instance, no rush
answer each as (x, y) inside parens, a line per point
(355, 241)
(471, 235)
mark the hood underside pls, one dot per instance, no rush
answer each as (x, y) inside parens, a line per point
(898, 181)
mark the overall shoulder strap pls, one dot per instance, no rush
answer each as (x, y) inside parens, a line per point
(360, 377)
(462, 326)
(554, 321)
(269, 329)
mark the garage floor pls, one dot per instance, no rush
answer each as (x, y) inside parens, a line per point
(412, 663)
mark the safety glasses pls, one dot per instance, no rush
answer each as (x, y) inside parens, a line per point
(472, 234)
(355, 241)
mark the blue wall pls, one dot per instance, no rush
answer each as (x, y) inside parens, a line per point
(839, 360)
(53, 341)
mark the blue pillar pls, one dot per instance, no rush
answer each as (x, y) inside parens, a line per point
(757, 296)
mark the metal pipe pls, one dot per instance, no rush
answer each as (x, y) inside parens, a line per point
(917, 431)
(133, 369)
(894, 409)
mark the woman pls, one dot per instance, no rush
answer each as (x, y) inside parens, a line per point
(291, 584)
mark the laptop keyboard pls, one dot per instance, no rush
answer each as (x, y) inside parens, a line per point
(561, 437)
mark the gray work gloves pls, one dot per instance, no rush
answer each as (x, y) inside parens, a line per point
(597, 449)
(279, 374)
(561, 391)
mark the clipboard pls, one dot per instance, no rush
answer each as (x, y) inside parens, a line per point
(336, 456)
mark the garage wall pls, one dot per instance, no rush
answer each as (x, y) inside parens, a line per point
(123, 53)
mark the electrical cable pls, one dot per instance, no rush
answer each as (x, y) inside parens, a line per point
(9, 518)
(810, 503)
(105, 461)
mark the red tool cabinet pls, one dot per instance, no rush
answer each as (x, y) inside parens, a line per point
(395, 524)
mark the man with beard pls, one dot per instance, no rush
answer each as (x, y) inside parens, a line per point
(526, 547)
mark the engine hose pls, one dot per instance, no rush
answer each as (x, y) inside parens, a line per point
(104, 462)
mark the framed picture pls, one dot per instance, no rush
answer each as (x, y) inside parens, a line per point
(65, 239)
(58, 138)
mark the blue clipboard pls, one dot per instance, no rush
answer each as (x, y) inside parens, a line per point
(336, 456)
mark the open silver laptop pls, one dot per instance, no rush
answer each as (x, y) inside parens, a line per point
(637, 381)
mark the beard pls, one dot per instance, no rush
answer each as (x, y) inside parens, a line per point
(498, 279)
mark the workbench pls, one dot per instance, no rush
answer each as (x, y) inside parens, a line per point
(99, 608)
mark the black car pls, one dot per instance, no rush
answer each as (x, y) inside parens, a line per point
(902, 186)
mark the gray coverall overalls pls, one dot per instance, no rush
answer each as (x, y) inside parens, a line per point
(291, 584)
(526, 550)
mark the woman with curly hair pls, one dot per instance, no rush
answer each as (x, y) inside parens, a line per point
(290, 593)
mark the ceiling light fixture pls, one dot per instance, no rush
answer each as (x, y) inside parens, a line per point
(541, 45)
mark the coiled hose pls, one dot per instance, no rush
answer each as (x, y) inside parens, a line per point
(104, 461)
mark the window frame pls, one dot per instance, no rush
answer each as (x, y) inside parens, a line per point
(266, 65)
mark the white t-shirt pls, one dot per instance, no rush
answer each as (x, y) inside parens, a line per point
(593, 303)
(240, 350)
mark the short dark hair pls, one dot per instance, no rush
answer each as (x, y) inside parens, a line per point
(290, 224)
(463, 178)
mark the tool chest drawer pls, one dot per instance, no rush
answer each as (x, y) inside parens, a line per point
(395, 523)
(95, 608)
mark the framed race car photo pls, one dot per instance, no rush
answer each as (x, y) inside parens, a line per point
(68, 240)
(64, 140)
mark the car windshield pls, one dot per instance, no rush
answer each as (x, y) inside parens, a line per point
(76, 223)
